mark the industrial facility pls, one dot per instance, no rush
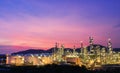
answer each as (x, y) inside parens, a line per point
(90, 56)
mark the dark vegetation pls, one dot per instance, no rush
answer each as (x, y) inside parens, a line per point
(39, 51)
(53, 69)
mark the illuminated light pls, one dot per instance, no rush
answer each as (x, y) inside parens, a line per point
(19, 56)
(12, 61)
(32, 55)
(91, 62)
(43, 60)
(22, 59)
(39, 57)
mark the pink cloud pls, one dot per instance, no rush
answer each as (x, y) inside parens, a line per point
(44, 32)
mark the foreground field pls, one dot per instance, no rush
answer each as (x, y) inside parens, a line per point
(53, 69)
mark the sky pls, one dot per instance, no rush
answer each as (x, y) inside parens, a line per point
(42, 23)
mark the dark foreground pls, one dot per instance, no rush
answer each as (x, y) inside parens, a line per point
(54, 69)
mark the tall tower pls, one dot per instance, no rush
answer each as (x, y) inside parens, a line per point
(109, 45)
(55, 50)
(91, 44)
(60, 53)
(85, 52)
(56, 47)
(74, 50)
(81, 43)
(7, 59)
(62, 49)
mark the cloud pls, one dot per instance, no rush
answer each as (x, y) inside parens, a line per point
(44, 32)
(117, 26)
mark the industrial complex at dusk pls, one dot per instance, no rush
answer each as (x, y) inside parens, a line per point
(92, 56)
(59, 36)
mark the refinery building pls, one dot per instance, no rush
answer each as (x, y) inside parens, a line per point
(90, 56)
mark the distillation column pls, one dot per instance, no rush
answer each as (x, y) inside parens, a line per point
(91, 44)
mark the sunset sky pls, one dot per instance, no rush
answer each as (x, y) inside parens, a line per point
(41, 23)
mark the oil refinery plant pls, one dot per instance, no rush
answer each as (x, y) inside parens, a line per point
(91, 56)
